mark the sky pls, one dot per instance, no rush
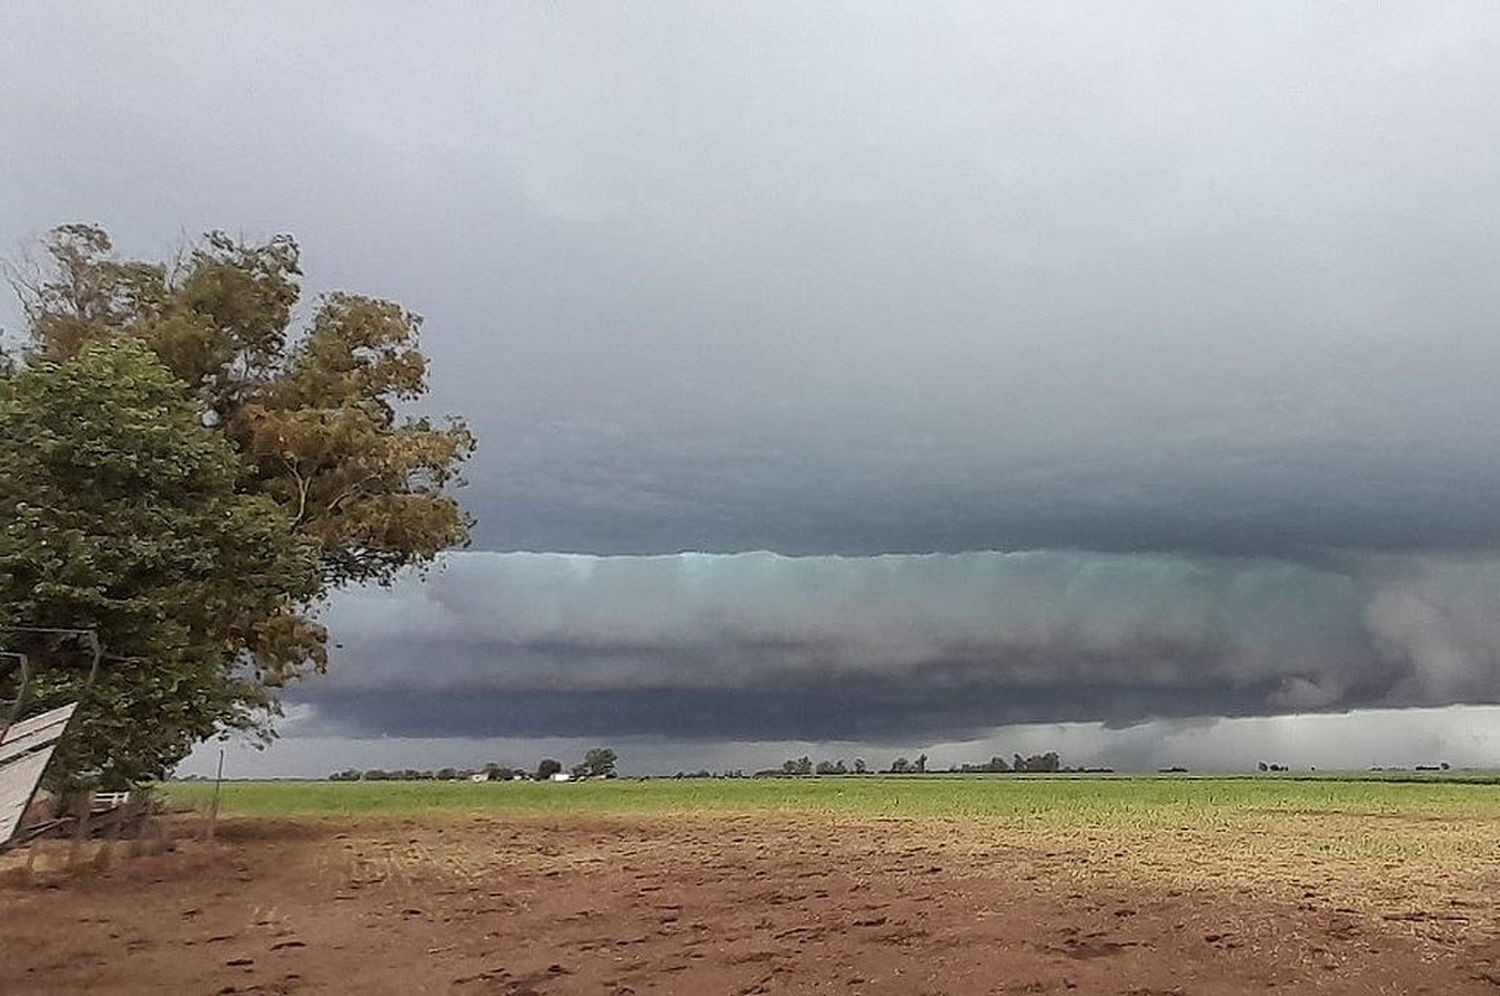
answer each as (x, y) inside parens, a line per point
(864, 379)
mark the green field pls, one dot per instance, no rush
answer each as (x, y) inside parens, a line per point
(1093, 799)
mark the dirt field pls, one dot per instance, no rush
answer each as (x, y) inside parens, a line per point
(754, 903)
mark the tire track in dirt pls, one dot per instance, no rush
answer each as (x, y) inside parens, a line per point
(704, 904)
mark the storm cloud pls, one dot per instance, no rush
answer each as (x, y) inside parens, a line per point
(1190, 307)
(761, 646)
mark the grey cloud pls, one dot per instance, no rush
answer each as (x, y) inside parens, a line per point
(761, 646)
(1207, 286)
(878, 710)
(1213, 278)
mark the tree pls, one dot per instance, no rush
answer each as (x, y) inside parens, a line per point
(312, 453)
(547, 769)
(599, 763)
(859, 766)
(920, 765)
(900, 766)
(1048, 762)
(119, 512)
(312, 413)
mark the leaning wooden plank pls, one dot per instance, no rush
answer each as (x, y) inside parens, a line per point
(18, 781)
(41, 719)
(35, 733)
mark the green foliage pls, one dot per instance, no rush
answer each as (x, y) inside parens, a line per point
(189, 473)
(800, 766)
(119, 512)
(597, 763)
(313, 413)
(600, 762)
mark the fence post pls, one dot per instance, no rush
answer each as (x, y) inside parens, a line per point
(81, 804)
(213, 812)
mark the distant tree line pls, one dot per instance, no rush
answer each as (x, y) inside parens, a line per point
(804, 766)
(1038, 763)
(705, 773)
(599, 762)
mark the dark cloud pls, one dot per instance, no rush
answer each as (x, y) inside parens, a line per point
(881, 649)
(869, 710)
(1265, 514)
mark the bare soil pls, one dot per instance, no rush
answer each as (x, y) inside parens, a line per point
(732, 904)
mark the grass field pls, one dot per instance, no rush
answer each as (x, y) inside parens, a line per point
(1273, 831)
(1431, 827)
(1110, 799)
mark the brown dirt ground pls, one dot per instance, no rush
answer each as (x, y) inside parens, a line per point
(741, 904)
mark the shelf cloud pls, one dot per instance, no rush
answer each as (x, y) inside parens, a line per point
(762, 646)
(1190, 307)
